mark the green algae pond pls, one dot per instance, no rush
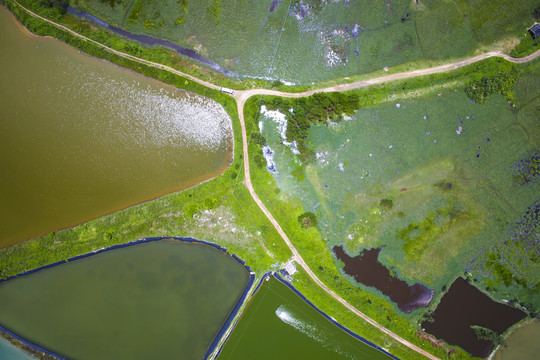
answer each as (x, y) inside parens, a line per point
(158, 300)
(81, 138)
(278, 324)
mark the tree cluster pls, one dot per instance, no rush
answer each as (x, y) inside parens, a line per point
(302, 113)
(493, 76)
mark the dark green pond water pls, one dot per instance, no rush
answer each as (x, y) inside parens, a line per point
(80, 137)
(278, 324)
(158, 300)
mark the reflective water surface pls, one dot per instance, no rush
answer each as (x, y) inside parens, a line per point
(80, 137)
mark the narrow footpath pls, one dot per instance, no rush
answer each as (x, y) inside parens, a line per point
(242, 95)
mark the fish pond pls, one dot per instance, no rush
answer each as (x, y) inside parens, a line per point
(278, 324)
(366, 269)
(464, 306)
(155, 300)
(80, 137)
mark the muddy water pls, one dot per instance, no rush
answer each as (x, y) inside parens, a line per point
(366, 269)
(464, 305)
(80, 137)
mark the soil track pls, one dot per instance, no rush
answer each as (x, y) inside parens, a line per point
(242, 95)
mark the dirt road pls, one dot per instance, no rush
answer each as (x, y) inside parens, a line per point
(242, 95)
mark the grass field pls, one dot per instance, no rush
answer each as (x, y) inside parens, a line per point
(333, 39)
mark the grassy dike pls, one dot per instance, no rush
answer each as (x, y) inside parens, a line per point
(155, 54)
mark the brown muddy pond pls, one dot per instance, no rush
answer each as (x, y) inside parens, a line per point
(80, 137)
(366, 269)
(464, 305)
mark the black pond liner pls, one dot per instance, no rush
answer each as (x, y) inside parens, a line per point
(464, 305)
(366, 269)
(151, 41)
(141, 241)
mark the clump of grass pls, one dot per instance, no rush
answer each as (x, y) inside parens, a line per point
(307, 220)
(386, 204)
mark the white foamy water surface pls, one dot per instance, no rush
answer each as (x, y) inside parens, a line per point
(310, 329)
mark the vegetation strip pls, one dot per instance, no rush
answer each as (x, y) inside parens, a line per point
(242, 96)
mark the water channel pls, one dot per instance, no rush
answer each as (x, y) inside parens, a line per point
(278, 324)
(159, 300)
(80, 137)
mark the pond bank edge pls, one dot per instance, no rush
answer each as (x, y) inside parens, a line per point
(306, 300)
(239, 303)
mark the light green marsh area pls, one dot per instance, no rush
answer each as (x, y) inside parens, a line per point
(313, 40)
(446, 164)
(278, 324)
(81, 137)
(158, 300)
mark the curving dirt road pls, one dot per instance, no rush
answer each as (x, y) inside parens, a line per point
(242, 95)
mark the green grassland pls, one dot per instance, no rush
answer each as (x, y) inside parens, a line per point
(244, 36)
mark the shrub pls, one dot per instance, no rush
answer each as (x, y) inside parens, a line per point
(386, 204)
(307, 220)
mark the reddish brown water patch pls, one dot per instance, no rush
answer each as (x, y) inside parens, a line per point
(464, 305)
(366, 269)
